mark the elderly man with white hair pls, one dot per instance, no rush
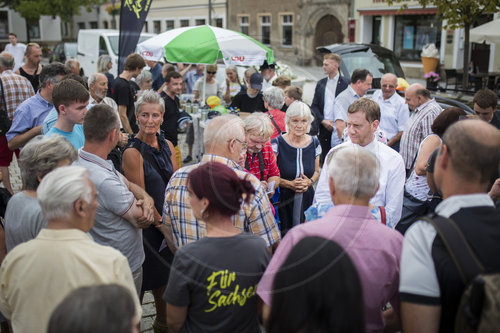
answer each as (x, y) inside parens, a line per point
(225, 142)
(375, 250)
(23, 216)
(37, 275)
(393, 111)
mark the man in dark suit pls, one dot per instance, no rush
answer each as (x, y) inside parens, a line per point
(326, 91)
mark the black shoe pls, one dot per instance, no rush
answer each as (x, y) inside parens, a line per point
(187, 159)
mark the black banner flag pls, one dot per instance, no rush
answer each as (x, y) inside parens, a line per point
(132, 17)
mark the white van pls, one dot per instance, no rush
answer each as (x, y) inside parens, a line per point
(95, 42)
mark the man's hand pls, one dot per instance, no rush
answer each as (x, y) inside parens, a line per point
(147, 217)
(328, 124)
(123, 140)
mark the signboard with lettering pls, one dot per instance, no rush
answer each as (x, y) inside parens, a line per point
(132, 17)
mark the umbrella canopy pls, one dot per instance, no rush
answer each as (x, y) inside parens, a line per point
(205, 45)
(488, 32)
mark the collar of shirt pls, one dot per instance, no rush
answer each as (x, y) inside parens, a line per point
(108, 165)
(423, 105)
(42, 100)
(220, 159)
(62, 234)
(7, 72)
(454, 203)
(93, 101)
(379, 97)
(353, 211)
(335, 78)
(352, 92)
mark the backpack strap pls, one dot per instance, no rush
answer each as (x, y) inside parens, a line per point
(465, 260)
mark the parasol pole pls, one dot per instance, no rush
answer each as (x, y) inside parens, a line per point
(204, 85)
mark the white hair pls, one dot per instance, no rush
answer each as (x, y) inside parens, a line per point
(259, 124)
(355, 171)
(222, 129)
(274, 96)
(60, 188)
(299, 109)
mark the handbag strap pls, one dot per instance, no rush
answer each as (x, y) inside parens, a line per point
(274, 122)
(3, 96)
(383, 215)
(261, 163)
(465, 260)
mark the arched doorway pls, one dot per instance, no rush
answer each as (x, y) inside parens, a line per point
(328, 31)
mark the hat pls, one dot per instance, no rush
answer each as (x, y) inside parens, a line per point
(265, 65)
(256, 81)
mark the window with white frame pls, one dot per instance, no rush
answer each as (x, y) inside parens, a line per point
(184, 23)
(286, 30)
(219, 23)
(265, 29)
(170, 24)
(244, 24)
(199, 22)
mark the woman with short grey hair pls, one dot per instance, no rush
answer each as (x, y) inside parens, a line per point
(297, 154)
(144, 81)
(260, 160)
(274, 98)
(23, 217)
(104, 65)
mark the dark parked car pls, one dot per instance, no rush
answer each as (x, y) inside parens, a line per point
(63, 51)
(377, 59)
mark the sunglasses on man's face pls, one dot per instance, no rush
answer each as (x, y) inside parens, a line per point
(211, 73)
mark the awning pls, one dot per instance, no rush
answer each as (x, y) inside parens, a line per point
(396, 11)
(488, 33)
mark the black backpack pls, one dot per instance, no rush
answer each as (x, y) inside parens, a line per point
(480, 302)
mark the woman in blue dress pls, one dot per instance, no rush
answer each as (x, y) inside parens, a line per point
(297, 154)
(149, 162)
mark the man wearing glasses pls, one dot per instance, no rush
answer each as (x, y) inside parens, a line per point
(224, 141)
(394, 112)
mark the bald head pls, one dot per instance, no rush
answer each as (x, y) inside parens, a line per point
(388, 83)
(416, 95)
(6, 61)
(220, 132)
(473, 146)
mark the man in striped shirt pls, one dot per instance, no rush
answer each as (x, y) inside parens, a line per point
(16, 89)
(424, 110)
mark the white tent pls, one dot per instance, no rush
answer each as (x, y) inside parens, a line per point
(488, 32)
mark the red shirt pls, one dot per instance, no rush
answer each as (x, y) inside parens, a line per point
(279, 118)
(270, 166)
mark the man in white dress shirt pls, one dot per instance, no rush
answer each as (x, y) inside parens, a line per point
(393, 111)
(361, 82)
(363, 118)
(16, 49)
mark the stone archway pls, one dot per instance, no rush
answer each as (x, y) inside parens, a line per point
(328, 31)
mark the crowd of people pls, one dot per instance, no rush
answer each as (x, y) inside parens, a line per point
(296, 218)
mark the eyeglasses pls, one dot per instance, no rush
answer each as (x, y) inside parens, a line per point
(212, 73)
(244, 144)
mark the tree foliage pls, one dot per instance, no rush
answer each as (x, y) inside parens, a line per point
(458, 14)
(31, 10)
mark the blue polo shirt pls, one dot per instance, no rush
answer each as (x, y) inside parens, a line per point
(29, 114)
